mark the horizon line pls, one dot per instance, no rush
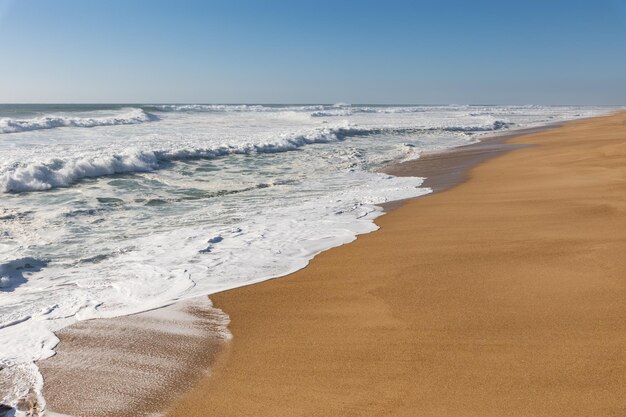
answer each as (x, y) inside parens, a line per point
(297, 103)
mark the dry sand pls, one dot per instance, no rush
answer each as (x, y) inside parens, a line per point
(503, 296)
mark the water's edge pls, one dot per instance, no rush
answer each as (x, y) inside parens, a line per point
(442, 170)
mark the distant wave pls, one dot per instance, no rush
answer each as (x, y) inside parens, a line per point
(339, 109)
(229, 108)
(218, 108)
(350, 110)
(131, 116)
(497, 125)
(58, 172)
(332, 113)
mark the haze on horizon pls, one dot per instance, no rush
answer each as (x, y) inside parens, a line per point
(420, 52)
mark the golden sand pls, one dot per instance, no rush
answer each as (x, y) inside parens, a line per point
(503, 296)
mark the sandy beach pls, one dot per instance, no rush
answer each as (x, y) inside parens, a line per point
(501, 296)
(312, 209)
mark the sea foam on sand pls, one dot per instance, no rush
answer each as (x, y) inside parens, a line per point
(133, 365)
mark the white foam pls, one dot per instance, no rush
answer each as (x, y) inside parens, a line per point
(59, 172)
(5, 282)
(130, 116)
(231, 108)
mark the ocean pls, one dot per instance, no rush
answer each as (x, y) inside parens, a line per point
(109, 210)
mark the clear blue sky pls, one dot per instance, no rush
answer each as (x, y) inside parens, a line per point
(231, 51)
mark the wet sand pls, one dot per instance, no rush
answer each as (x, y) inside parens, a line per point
(444, 169)
(133, 365)
(501, 296)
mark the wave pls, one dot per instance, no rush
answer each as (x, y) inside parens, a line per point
(218, 108)
(339, 109)
(230, 108)
(332, 113)
(56, 172)
(497, 125)
(131, 116)
(350, 110)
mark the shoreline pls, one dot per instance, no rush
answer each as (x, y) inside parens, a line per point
(443, 170)
(316, 348)
(84, 339)
(449, 167)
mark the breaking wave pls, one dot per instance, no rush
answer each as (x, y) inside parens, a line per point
(131, 116)
(57, 172)
(319, 110)
(316, 110)
(332, 113)
(230, 108)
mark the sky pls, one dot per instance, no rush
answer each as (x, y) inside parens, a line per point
(245, 51)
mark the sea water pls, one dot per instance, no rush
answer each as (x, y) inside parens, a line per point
(109, 210)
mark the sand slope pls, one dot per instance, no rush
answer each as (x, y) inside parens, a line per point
(503, 296)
